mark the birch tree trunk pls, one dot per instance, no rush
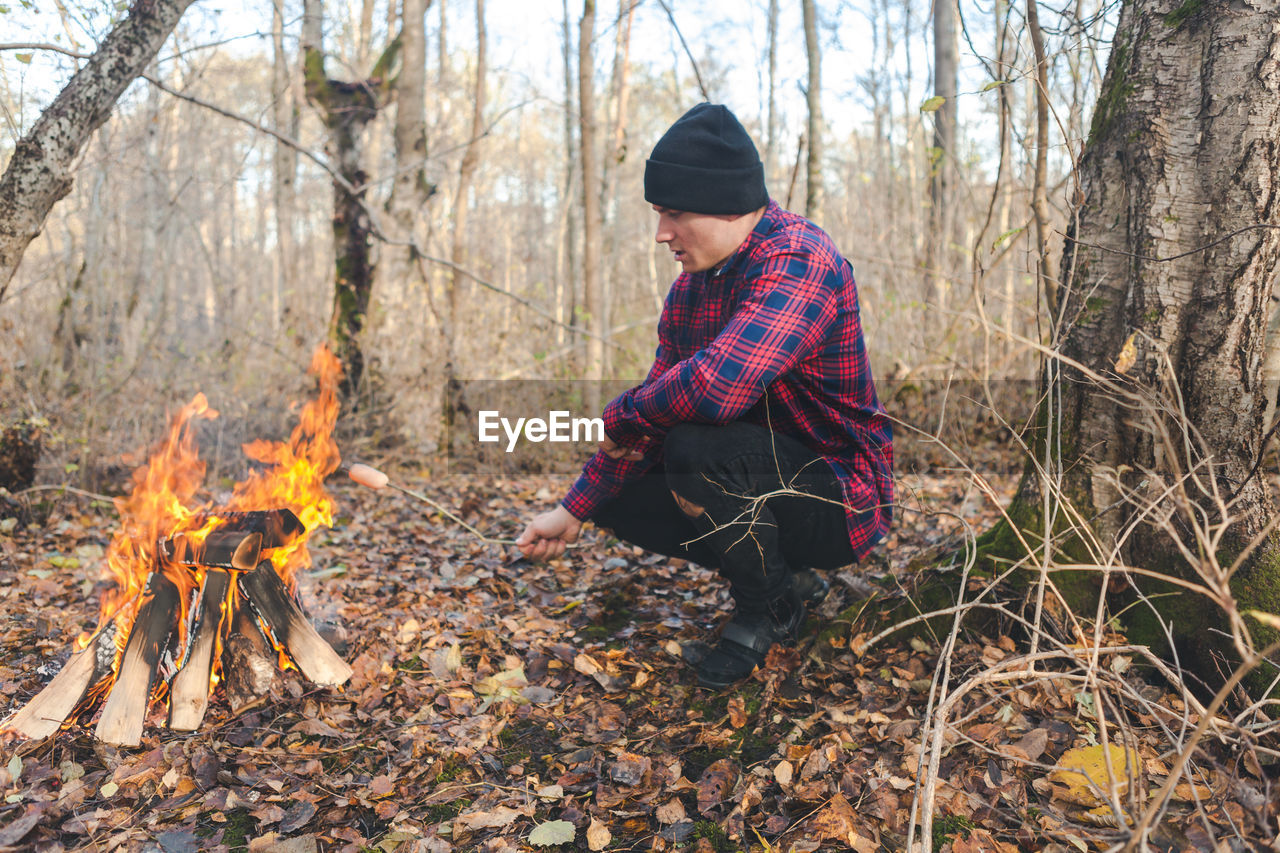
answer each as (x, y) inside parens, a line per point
(1151, 430)
(39, 172)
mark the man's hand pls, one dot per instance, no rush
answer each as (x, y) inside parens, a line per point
(549, 534)
(613, 450)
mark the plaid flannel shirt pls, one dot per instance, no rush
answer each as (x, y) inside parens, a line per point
(773, 338)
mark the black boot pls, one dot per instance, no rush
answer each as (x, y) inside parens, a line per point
(747, 637)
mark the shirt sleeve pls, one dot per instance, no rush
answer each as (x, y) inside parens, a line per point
(602, 478)
(790, 303)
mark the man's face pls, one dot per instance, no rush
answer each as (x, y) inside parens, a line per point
(699, 241)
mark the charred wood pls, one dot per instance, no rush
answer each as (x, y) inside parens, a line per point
(223, 548)
(279, 527)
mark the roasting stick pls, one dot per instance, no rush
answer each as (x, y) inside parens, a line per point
(367, 475)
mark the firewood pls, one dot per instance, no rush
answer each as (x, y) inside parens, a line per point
(248, 663)
(315, 658)
(279, 527)
(189, 690)
(49, 708)
(224, 549)
(126, 707)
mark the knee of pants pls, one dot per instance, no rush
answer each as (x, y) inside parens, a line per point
(687, 448)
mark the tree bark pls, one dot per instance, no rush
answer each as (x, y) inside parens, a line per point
(39, 173)
(345, 108)
(1151, 429)
(813, 198)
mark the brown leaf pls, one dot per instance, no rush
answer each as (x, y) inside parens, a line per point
(598, 835)
(297, 816)
(18, 829)
(630, 769)
(783, 773)
(715, 783)
(737, 712)
(671, 811)
(381, 786)
(498, 817)
(1033, 743)
(836, 820)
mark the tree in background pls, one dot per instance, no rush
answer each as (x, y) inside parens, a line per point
(39, 174)
(814, 195)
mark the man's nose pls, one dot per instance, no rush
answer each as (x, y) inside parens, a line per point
(663, 235)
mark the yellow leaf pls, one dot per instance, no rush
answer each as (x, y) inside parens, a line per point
(1083, 774)
(1128, 356)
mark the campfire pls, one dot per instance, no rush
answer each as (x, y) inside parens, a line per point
(197, 595)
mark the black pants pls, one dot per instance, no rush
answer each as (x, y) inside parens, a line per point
(752, 536)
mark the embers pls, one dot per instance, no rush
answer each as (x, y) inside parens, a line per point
(236, 597)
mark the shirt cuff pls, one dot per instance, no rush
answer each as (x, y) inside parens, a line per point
(584, 498)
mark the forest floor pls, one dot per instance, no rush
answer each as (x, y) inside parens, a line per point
(498, 705)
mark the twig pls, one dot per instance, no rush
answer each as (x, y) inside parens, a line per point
(696, 73)
(65, 488)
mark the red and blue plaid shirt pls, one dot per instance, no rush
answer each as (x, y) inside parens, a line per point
(781, 315)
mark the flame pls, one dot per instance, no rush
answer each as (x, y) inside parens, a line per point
(162, 503)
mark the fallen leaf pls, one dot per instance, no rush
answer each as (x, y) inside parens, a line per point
(18, 829)
(671, 811)
(501, 816)
(783, 773)
(737, 712)
(551, 833)
(1082, 776)
(715, 783)
(598, 835)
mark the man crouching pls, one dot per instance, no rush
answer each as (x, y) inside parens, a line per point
(756, 444)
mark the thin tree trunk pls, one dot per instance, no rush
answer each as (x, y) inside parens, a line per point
(813, 199)
(285, 166)
(39, 172)
(470, 159)
(593, 301)
(771, 122)
(619, 95)
(941, 208)
(1039, 191)
(567, 282)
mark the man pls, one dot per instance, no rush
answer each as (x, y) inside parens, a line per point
(756, 445)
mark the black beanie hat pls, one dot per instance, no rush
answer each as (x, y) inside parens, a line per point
(706, 163)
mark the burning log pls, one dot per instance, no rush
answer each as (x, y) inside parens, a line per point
(291, 629)
(189, 691)
(126, 707)
(223, 548)
(47, 710)
(279, 527)
(248, 663)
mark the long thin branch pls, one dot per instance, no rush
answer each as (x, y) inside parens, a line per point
(696, 73)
